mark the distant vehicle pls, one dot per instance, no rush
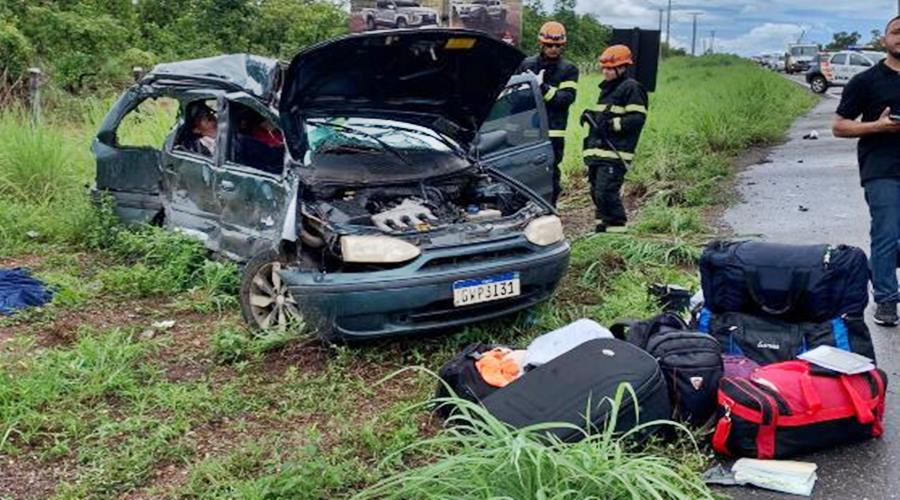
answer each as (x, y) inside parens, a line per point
(398, 14)
(799, 57)
(835, 70)
(480, 11)
(773, 62)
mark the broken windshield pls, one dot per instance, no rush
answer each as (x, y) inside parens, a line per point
(370, 150)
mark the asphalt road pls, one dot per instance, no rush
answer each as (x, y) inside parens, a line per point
(808, 192)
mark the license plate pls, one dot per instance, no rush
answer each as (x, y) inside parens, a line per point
(476, 291)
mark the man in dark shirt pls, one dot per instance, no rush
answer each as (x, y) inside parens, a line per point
(875, 95)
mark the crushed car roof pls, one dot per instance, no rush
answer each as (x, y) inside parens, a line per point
(256, 75)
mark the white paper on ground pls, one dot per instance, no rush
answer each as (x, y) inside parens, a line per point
(552, 344)
(838, 360)
(787, 476)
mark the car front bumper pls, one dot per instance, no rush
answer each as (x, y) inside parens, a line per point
(418, 297)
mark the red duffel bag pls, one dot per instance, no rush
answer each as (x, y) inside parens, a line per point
(786, 409)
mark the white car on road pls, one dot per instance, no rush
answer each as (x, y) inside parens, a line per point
(839, 68)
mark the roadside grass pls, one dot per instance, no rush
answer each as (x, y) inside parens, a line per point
(478, 456)
(214, 410)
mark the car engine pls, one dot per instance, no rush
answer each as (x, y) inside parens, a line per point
(419, 208)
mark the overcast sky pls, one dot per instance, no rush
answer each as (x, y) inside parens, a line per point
(748, 27)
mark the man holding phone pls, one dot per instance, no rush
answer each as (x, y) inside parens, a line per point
(875, 96)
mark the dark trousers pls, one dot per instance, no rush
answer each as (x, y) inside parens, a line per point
(606, 179)
(883, 198)
(559, 148)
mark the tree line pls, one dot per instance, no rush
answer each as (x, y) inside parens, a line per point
(92, 45)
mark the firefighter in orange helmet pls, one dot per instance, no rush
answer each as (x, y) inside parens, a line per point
(559, 81)
(615, 128)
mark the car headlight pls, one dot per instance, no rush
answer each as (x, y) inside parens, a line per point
(545, 230)
(377, 249)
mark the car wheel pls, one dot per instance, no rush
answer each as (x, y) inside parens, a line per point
(266, 303)
(818, 84)
(401, 23)
(370, 24)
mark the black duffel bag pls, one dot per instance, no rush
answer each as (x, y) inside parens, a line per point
(769, 340)
(792, 282)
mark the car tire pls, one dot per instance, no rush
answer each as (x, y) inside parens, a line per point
(401, 23)
(265, 301)
(818, 84)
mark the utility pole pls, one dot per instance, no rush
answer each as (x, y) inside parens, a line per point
(669, 24)
(694, 37)
(660, 31)
(712, 43)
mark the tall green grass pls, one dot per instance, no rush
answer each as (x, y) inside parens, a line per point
(479, 457)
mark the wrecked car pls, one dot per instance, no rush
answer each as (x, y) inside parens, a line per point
(401, 188)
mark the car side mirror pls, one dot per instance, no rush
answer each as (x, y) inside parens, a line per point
(488, 142)
(107, 137)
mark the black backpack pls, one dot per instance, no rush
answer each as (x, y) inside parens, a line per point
(691, 362)
(461, 376)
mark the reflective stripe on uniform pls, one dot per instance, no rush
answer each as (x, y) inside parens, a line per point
(617, 124)
(568, 84)
(621, 110)
(616, 110)
(557, 133)
(550, 93)
(636, 108)
(605, 153)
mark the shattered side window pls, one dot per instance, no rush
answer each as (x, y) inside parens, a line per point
(148, 124)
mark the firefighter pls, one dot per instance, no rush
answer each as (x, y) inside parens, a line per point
(615, 127)
(559, 81)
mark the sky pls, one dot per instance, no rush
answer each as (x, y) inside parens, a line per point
(748, 27)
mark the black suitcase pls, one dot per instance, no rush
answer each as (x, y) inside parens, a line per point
(793, 282)
(578, 383)
(769, 340)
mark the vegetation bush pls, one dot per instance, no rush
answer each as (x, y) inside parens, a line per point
(15, 53)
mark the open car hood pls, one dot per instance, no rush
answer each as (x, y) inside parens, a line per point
(444, 79)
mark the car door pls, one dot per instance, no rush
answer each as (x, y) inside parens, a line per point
(857, 65)
(256, 194)
(840, 69)
(188, 196)
(129, 173)
(389, 13)
(515, 138)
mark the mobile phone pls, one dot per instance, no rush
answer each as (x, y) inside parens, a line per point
(894, 118)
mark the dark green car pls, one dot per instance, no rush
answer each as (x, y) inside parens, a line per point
(379, 184)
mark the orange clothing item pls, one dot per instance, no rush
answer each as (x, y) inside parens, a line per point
(498, 367)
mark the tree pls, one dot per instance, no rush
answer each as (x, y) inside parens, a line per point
(587, 36)
(877, 42)
(15, 53)
(843, 40)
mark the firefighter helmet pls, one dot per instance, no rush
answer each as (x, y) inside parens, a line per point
(615, 56)
(552, 32)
